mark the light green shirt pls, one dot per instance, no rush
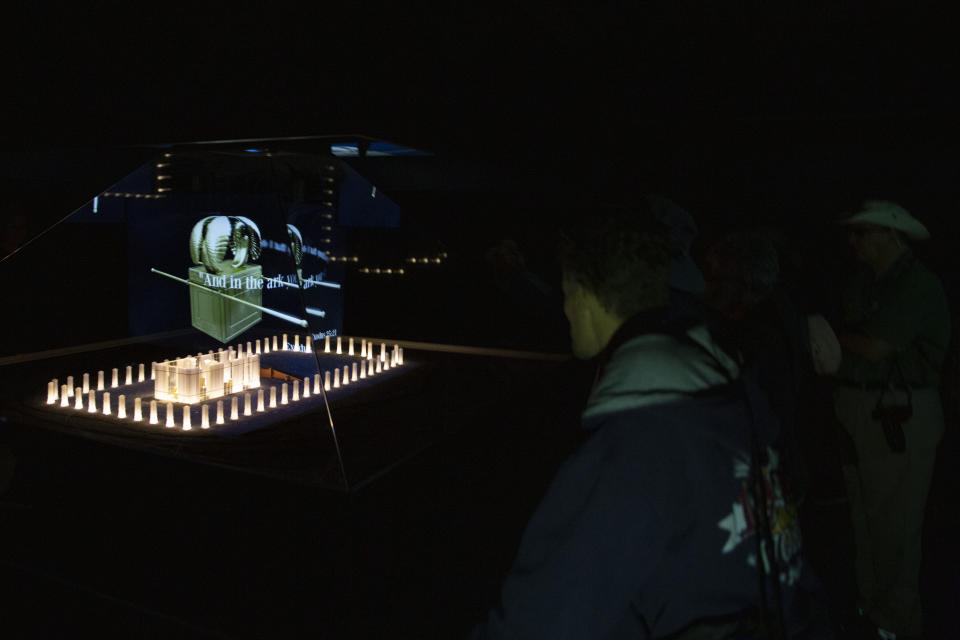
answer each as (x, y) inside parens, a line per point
(906, 308)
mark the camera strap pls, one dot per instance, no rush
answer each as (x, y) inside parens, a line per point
(888, 384)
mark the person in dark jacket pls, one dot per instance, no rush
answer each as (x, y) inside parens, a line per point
(649, 530)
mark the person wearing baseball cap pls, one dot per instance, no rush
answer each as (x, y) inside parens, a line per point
(895, 333)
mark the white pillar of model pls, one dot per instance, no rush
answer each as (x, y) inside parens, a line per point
(350, 347)
(70, 386)
(306, 387)
(260, 405)
(309, 346)
(336, 378)
(205, 416)
(78, 396)
(170, 420)
(186, 418)
(153, 412)
(285, 348)
(326, 381)
(128, 379)
(316, 383)
(379, 366)
(257, 347)
(51, 391)
(114, 378)
(296, 342)
(247, 404)
(100, 380)
(86, 383)
(363, 348)
(106, 403)
(64, 396)
(284, 394)
(275, 343)
(240, 350)
(339, 346)
(326, 344)
(386, 364)
(122, 406)
(137, 409)
(266, 345)
(92, 401)
(273, 397)
(234, 408)
(383, 351)
(250, 348)
(369, 367)
(363, 370)
(400, 356)
(353, 373)
(346, 375)
(296, 390)
(153, 370)
(219, 411)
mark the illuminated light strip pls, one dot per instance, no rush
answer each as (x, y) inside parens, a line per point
(283, 316)
(332, 285)
(316, 312)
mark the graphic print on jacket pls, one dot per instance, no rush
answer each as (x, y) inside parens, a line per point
(740, 524)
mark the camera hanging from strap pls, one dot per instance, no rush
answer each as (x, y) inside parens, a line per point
(892, 417)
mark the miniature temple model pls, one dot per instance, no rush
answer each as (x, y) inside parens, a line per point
(195, 379)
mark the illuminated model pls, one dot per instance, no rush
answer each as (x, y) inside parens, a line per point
(204, 377)
(191, 380)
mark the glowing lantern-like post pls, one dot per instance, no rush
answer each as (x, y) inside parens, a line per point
(260, 405)
(64, 396)
(92, 401)
(86, 383)
(170, 420)
(153, 412)
(106, 403)
(78, 396)
(186, 418)
(283, 394)
(326, 381)
(247, 408)
(234, 408)
(70, 386)
(326, 344)
(316, 383)
(137, 409)
(306, 387)
(350, 347)
(273, 397)
(205, 416)
(122, 407)
(339, 346)
(219, 411)
(336, 378)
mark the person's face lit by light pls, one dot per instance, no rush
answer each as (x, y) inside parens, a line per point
(590, 324)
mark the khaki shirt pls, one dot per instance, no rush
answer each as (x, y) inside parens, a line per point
(906, 308)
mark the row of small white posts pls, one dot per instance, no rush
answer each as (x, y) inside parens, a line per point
(368, 367)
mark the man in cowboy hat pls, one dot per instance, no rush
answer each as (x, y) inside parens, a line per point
(896, 328)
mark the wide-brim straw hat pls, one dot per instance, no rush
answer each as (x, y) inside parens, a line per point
(888, 214)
